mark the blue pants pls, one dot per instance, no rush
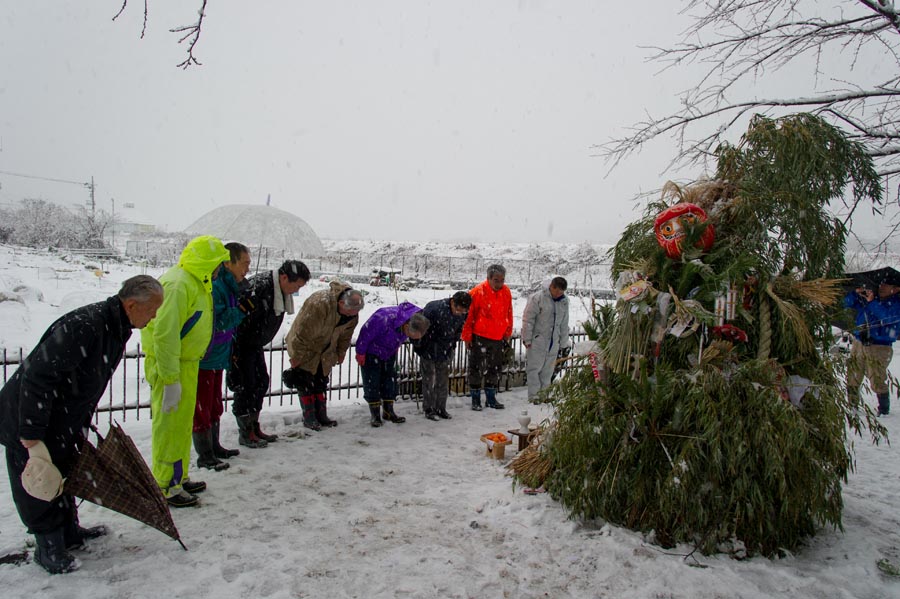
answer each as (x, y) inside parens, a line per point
(379, 378)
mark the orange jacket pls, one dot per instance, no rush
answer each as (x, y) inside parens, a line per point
(490, 315)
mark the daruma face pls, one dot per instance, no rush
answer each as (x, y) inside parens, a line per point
(672, 225)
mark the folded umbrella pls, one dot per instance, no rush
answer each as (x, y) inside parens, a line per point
(115, 476)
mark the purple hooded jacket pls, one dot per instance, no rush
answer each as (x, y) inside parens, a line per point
(381, 335)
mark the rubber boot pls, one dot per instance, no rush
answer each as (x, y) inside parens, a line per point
(375, 412)
(219, 451)
(308, 403)
(246, 433)
(476, 399)
(51, 553)
(490, 396)
(74, 534)
(387, 405)
(884, 404)
(259, 433)
(206, 458)
(322, 413)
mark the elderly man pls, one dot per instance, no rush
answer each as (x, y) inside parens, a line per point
(175, 342)
(268, 297)
(486, 335)
(376, 353)
(545, 333)
(317, 341)
(436, 347)
(877, 327)
(46, 407)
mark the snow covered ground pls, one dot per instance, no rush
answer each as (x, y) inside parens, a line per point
(412, 510)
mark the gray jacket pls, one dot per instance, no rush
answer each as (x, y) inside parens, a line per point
(545, 323)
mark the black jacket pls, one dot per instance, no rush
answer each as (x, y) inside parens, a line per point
(53, 394)
(261, 324)
(440, 339)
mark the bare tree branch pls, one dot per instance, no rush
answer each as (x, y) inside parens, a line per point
(191, 32)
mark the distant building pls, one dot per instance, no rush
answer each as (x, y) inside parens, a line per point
(130, 220)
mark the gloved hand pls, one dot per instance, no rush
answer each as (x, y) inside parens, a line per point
(171, 397)
(246, 305)
(41, 479)
(564, 352)
(361, 359)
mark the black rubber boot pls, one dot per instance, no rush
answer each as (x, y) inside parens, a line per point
(206, 457)
(219, 451)
(246, 433)
(51, 553)
(476, 399)
(76, 535)
(308, 403)
(387, 406)
(322, 413)
(259, 433)
(884, 404)
(490, 396)
(375, 412)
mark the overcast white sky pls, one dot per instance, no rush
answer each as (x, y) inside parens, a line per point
(369, 119)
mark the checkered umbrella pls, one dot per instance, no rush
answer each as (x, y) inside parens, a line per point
(115, 476)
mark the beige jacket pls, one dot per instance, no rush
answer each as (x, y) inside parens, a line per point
(315, 337)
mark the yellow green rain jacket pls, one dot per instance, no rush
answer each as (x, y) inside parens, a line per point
(174, 343)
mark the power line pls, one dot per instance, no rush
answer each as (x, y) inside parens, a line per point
(88, 185)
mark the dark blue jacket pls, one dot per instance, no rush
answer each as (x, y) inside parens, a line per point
(878, 321)
(53, 394)
(440, 340)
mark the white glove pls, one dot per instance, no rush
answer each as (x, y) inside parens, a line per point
(41, 479)
(171, 397)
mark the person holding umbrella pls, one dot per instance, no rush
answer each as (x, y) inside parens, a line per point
(266, 299)
(47, 405)
(877, 328)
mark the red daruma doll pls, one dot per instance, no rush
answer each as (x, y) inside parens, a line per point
(672, 225)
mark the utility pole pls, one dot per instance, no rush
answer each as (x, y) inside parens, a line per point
(112, 223)
(92, 187)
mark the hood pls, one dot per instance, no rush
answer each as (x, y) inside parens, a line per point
(201, 256)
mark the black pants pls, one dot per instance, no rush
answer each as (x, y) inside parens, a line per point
(40, 517)
(305, 382)
(248, 379)
(485, 362)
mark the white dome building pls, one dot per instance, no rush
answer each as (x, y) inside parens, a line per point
(260, 226)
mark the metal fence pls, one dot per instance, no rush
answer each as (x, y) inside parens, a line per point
(128, 394)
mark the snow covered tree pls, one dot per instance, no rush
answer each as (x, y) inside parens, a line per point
(850, 46)
(720, 418)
